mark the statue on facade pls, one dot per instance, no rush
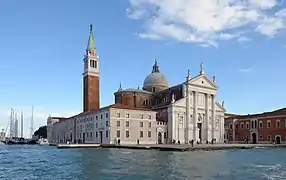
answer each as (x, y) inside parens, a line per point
(173, 98)
(202, 68)
(214, 79)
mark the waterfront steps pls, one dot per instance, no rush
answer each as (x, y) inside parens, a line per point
(174, 147)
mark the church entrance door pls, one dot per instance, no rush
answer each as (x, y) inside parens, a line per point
(200, 130)
(159, 138)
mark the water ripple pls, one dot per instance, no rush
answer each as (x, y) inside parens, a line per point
(49, 163)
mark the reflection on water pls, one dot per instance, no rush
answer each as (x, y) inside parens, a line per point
(37, 162)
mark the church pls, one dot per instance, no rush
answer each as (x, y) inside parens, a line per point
(156, 114)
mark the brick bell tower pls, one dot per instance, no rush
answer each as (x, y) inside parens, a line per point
(91, 76)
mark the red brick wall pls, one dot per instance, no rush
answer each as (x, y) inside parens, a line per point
(263, 132)
(91, 97)
(133, 99)
(273, 130)
(242, 133)
(162, 114)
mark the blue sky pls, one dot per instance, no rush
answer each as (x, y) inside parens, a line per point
(43, 43)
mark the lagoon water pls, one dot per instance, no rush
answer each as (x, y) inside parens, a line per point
(49, 163)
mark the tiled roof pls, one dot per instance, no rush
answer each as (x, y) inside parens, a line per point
(279, 112)
(122, 106)
(58, 117)
(117, 106)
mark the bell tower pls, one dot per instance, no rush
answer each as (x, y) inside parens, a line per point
(91, 76)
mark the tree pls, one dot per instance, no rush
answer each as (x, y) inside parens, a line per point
(41, 132)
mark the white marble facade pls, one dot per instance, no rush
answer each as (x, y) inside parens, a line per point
(197, 116)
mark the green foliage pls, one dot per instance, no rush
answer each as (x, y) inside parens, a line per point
(41, 132)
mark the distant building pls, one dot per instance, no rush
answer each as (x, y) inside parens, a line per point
(257, 128)
(2, 134)
(50, 127)
(154, 114)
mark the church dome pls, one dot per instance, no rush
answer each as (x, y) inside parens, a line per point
(155, 81)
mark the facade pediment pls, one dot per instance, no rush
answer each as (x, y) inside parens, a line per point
(203, 81)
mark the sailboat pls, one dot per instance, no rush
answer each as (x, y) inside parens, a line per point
(13, 131)
(32, 141)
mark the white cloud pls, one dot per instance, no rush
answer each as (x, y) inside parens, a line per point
(40, 116)
(207, 21)
(243, 39)
(245, 70)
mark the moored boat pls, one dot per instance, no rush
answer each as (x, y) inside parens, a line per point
(43, 142)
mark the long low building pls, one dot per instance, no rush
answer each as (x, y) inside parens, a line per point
(110, 125)
(267, 127)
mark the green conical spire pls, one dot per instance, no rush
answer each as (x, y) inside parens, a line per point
(91, 44)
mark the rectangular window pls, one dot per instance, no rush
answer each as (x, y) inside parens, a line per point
(149, 134)
(141, 134)
(118, 134)
(127, 124)
(260, 124)
(101, 116)
(96, 125)
(118, 115)
(106, 123)
(277, 123)
(95, 64)
(106, 115)
(96, 134)
(142, 116)
(96, 117)
(230, 126)
(149, 124)
(106, 134)
(268, 123)
(127, 134)
(149, 117)
(118, 123)
(247, 125)
(127, 115)
(90, 134)
(141, 124)
(252, 124)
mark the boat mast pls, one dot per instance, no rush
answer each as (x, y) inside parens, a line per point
(16, 125)
(32, 123)
(22, 125)
(11, 133)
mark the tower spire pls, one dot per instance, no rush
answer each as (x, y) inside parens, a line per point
(120, 87)
(91, 44)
